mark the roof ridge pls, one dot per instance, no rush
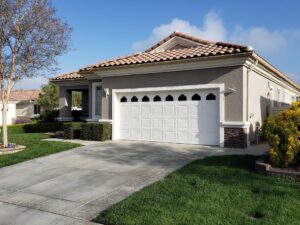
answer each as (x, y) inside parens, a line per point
(179, 34)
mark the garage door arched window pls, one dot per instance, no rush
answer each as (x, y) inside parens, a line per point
(156, 99)
(210, 97)
(145, 99)
(169, 98)
(182, 98)
(196, 97)
(123, 99)
(134, 99)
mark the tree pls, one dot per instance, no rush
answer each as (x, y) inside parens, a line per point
(48, 99)
(77, 99)
(31, 37)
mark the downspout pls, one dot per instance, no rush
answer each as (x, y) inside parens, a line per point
(252, 67)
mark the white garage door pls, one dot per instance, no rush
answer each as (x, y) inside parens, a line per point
(191, 117)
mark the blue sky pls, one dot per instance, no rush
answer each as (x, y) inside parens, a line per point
(107, 29)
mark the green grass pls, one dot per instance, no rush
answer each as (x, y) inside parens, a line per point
(35, 146)
(220, 190)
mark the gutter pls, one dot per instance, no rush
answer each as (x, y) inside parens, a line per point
(275, 70)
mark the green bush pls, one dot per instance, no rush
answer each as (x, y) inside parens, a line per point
(72, 130)
(86, 131)
(43, 127)
(16, 129)
(283, 135)
(49, 116)
(96, 131)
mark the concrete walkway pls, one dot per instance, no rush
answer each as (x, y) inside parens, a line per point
(72, 187)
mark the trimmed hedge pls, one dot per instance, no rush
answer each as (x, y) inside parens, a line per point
(96, 131)
(43, 127)
(72, 130)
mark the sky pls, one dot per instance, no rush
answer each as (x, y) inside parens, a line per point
(107, 29)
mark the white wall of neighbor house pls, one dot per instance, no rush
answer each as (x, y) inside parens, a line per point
(27, 109)
(265, 92)
(11, 113)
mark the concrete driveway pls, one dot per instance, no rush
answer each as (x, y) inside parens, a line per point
(72, 187)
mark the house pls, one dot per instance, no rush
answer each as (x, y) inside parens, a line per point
(22, 104)
(181, 90)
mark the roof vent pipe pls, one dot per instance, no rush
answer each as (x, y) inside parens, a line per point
(249, 48)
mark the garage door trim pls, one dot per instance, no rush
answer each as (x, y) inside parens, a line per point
(115, 103)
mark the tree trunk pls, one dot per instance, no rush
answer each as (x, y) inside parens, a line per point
(4, 122)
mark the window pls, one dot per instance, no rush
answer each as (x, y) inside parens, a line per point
(169, 98)
(145, 99)
(123, 99)
(196, 97)
(182, 98)
(134, 99)
(36, 109)
(156, 99)
(210, 96)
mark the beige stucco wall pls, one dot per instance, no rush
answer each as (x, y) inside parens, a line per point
(25, 109)
(259, 99)
(230, 76)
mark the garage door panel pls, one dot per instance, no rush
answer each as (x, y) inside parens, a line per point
(169, 110)
(146, 110)
(170, 136)
(157, 123)
(135, 111)
(146, 123)
(146, 134)
(169, 124)
(157, 109)
(157, 135)
(182, 110)
(183, 137)
(182, 123)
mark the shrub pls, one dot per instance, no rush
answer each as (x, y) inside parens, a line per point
(72, 130)
(43, 127)
(49, 116)
(96, 131)
(86, 131)
(16, 129)
(283, 135)
(22, 120)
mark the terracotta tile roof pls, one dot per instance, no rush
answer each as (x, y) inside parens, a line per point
(182, 35)
(211, 49)
(68, 76)
(24, 95)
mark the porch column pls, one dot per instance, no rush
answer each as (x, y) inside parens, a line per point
(85, 103)
(65, 103)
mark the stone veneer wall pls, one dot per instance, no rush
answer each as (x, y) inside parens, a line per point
(235, 137)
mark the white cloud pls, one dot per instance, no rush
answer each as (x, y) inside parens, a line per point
(31, 83)
(261, 38)
(212, 29)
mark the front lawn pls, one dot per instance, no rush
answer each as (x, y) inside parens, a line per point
(35, 146)
(220, 190)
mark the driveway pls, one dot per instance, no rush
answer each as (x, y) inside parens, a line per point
(72, 187)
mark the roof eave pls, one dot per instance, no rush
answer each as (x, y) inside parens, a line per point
(273, 69)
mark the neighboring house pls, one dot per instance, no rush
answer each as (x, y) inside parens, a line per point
(23, 104)
(181, 90)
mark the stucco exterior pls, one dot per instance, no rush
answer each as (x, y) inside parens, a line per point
(265, 93)
(25, 109)
(231, 76)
